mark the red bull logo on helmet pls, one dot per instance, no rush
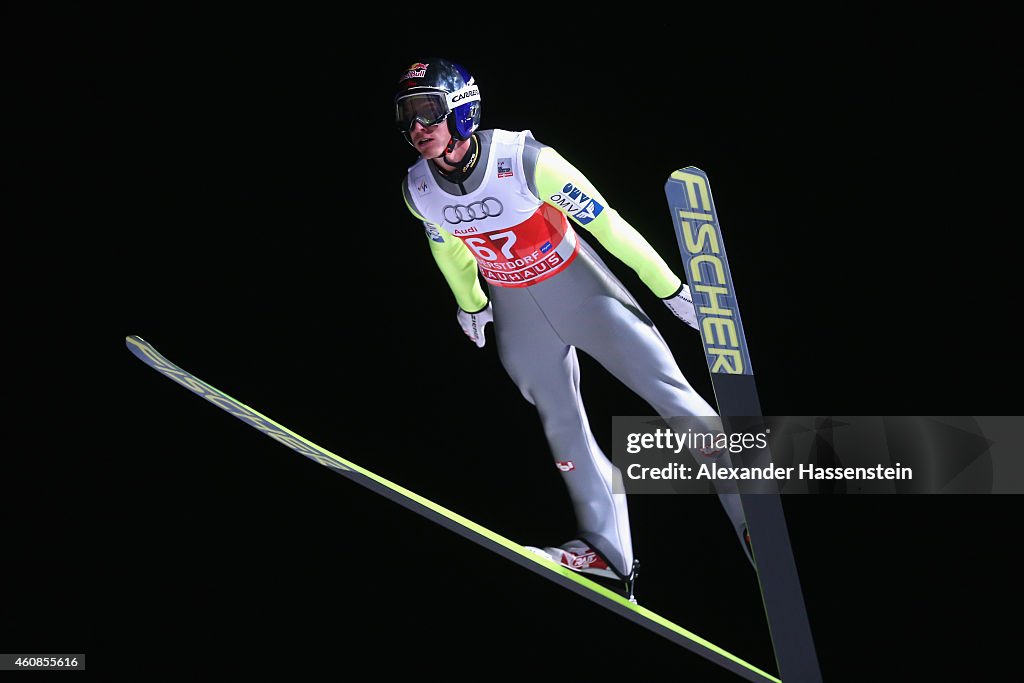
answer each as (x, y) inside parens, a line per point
(416, 70)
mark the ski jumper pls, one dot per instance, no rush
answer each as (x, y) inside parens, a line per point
(507, 224)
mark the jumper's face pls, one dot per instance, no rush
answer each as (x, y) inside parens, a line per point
(429, 141)
(422, 116)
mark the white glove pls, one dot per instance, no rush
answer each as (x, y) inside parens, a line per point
(473, 323)
(681, 304)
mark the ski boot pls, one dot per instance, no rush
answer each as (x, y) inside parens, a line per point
(582, 558)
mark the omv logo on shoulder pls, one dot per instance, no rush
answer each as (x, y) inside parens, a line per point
(579, 205)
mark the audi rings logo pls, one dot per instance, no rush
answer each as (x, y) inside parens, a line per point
(477, 211)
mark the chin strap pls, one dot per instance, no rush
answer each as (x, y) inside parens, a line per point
(464, 165)
(443, 156)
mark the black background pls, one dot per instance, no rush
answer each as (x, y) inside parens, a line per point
(227, 187)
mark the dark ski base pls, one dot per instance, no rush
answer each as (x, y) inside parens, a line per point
(718, 316)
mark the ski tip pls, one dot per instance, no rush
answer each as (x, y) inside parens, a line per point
(135, 343)
(686, 171)
(685, 177)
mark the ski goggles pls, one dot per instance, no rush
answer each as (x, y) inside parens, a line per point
(431, 108)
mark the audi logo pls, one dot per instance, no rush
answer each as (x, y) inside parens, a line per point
(477, 211)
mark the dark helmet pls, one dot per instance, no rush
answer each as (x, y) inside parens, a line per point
(433, 91)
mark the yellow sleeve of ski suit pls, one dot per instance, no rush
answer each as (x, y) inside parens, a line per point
(456, 262)
(552, 175)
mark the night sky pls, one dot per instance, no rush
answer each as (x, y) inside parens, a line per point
(235, 187)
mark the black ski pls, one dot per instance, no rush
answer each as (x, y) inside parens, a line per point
(718, 315)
